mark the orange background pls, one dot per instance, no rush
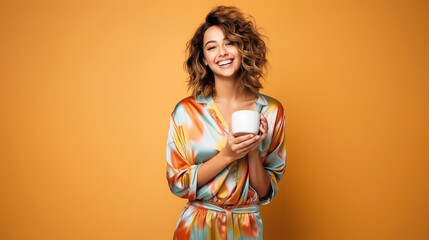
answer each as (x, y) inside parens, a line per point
(87, 88)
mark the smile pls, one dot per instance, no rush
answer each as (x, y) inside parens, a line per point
(225, 63)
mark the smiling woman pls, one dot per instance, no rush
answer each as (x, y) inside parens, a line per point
(220, 53)
(231, 27)
(224, 177)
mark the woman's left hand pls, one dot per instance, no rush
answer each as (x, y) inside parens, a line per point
(263, 131)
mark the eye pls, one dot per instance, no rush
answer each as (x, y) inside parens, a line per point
(210, 48)
(230, 44)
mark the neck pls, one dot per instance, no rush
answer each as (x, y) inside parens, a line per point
(229, 90)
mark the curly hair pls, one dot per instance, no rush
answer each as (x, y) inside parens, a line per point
(239, 30)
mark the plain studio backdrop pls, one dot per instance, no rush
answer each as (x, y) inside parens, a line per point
(87, 87)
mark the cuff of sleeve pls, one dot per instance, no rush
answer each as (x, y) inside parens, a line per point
(273, 190)
(193, 187)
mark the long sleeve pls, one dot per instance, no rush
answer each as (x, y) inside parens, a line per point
(275, 160)
(181, 167)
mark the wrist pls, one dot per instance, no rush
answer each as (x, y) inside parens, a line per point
(253, 153)
(227, 158)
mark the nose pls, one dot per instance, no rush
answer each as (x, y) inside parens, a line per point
(223, 51)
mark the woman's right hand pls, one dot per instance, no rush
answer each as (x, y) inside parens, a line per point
(238, 147)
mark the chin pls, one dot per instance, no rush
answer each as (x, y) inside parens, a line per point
(227, 75)
(231, 74)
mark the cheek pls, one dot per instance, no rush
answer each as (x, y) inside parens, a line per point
(209, 57)
(237, 54)
(238, 58)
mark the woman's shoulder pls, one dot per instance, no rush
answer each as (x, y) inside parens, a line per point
(274, 109)
(272, 102)
(187, 105)
(187, 101)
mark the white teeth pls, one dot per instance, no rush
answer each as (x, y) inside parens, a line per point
(225, 62)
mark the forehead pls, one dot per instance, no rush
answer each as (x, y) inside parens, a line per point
(214, 33)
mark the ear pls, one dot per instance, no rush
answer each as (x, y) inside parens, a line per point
(205, 61)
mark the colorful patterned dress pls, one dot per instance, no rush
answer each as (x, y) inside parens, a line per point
(227, 207)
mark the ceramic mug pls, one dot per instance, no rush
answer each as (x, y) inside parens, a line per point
(244, 122)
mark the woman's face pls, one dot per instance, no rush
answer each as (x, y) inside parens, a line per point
(220, 55)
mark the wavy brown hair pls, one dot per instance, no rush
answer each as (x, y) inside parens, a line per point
(241, 31)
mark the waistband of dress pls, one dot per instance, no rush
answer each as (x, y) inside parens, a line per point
(251, 208)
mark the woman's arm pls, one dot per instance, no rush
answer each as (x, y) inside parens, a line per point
(209, 169)
(259, 178)
(184, 175)
(274, 161)
(235, 148)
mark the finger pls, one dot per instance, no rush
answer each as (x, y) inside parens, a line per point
(248, 148)
(248, 142)
(262, 127)
(255, 144)
(263, 132)
(242, 144)
(264, 120)
(264, 123)
(240, 139)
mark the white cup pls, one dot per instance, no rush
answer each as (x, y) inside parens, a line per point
(244, 122)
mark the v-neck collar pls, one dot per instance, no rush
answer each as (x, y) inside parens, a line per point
(214, 111)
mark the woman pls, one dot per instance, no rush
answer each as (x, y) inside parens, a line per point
(224, 177)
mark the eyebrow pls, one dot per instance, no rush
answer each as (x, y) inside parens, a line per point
(214, 41)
